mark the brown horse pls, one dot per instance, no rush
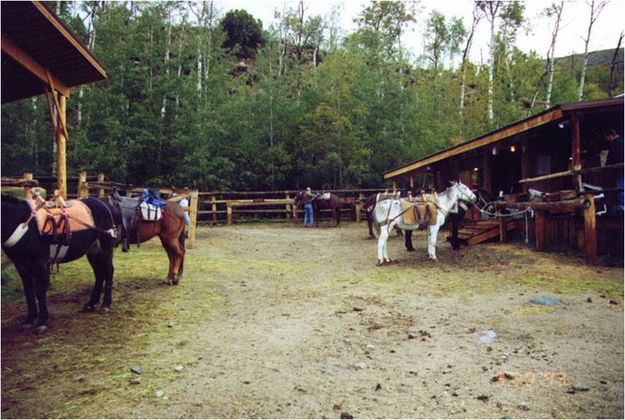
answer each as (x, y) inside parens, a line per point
(322, 201)
(169, 229)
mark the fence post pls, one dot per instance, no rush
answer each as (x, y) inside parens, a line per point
(28, 195)
(357, 209)
(590, 230)
(101, 192)
(82, 191)
(193, 205)
(214, 209)
(228, 213)
(294, 208)
(539, 227)
(287, 207)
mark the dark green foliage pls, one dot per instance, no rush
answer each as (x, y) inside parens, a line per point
(177, 109)
(243, 33)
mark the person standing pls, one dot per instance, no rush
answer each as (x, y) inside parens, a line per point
(307, 201)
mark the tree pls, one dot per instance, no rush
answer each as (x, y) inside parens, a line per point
(477, 15)
(437, 35)
(595, 11)
(555, 11)
(244, 33)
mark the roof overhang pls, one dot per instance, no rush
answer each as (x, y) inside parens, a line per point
(553, 114)
(38, 50)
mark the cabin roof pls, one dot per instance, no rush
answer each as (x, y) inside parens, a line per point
(551, 115)
(38, 46)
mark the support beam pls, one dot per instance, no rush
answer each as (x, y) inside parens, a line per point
(29, 63)
(61, 143)
(576, 163)
(539, 229)
(525, 164)
(590, 231)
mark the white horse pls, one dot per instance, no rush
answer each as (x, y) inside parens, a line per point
(388, 214)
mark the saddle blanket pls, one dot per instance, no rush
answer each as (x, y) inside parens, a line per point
(150, 212)
(418, 212)
(80, 218)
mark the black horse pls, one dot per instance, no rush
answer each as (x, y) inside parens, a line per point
(33, 252)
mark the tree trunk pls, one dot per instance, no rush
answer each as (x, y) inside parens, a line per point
(465, 57)
(492, 7)
(594, 14)
(167, 55)
(551, 54)
(613, 83)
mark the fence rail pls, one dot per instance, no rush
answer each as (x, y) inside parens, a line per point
(213, 207)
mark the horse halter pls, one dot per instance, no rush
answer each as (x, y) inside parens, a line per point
(463, 195)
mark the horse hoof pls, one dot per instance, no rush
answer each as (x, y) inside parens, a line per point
(27, 326)
(174, 282)
(380, 263)
(41, 329)
(88, 308)
(106, 309)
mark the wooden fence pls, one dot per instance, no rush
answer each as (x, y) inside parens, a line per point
(214, 207)
(228, 207)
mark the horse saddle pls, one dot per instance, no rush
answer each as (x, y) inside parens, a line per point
(150, 212)
(62, 221)
(418, 212)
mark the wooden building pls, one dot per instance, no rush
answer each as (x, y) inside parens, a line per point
(555, 150)
(40, 55)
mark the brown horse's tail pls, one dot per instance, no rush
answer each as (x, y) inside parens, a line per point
(182, 239)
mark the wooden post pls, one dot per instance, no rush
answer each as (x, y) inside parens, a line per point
(486, 171)
(101, 192)
(576, 162)
(213, 210)
(539, 229)
(394, 185)
(287, 207)
(193, 205)
(358, 209)
(28, 195)
(590, 231)
(411, 182)
(228, 213)
(294, 214)
(525, 164)
(503, 231)
(61, 142)
(83, 191)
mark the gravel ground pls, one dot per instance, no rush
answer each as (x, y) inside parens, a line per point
(285, 322)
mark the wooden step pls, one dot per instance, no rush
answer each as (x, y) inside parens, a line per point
(475, 233)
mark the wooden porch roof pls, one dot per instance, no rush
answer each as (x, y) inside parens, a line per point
(38, 47)
(551, 115)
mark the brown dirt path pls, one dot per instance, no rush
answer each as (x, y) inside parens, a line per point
(281, 321)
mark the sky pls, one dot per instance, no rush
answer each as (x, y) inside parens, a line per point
(573, 28)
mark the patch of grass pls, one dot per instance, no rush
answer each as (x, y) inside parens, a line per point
(531, 310)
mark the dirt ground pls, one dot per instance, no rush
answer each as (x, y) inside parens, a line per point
(282, 321)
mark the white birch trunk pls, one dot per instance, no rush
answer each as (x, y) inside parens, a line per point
(551, 55)
(167, 55)
(491, 59)
(594, 14)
